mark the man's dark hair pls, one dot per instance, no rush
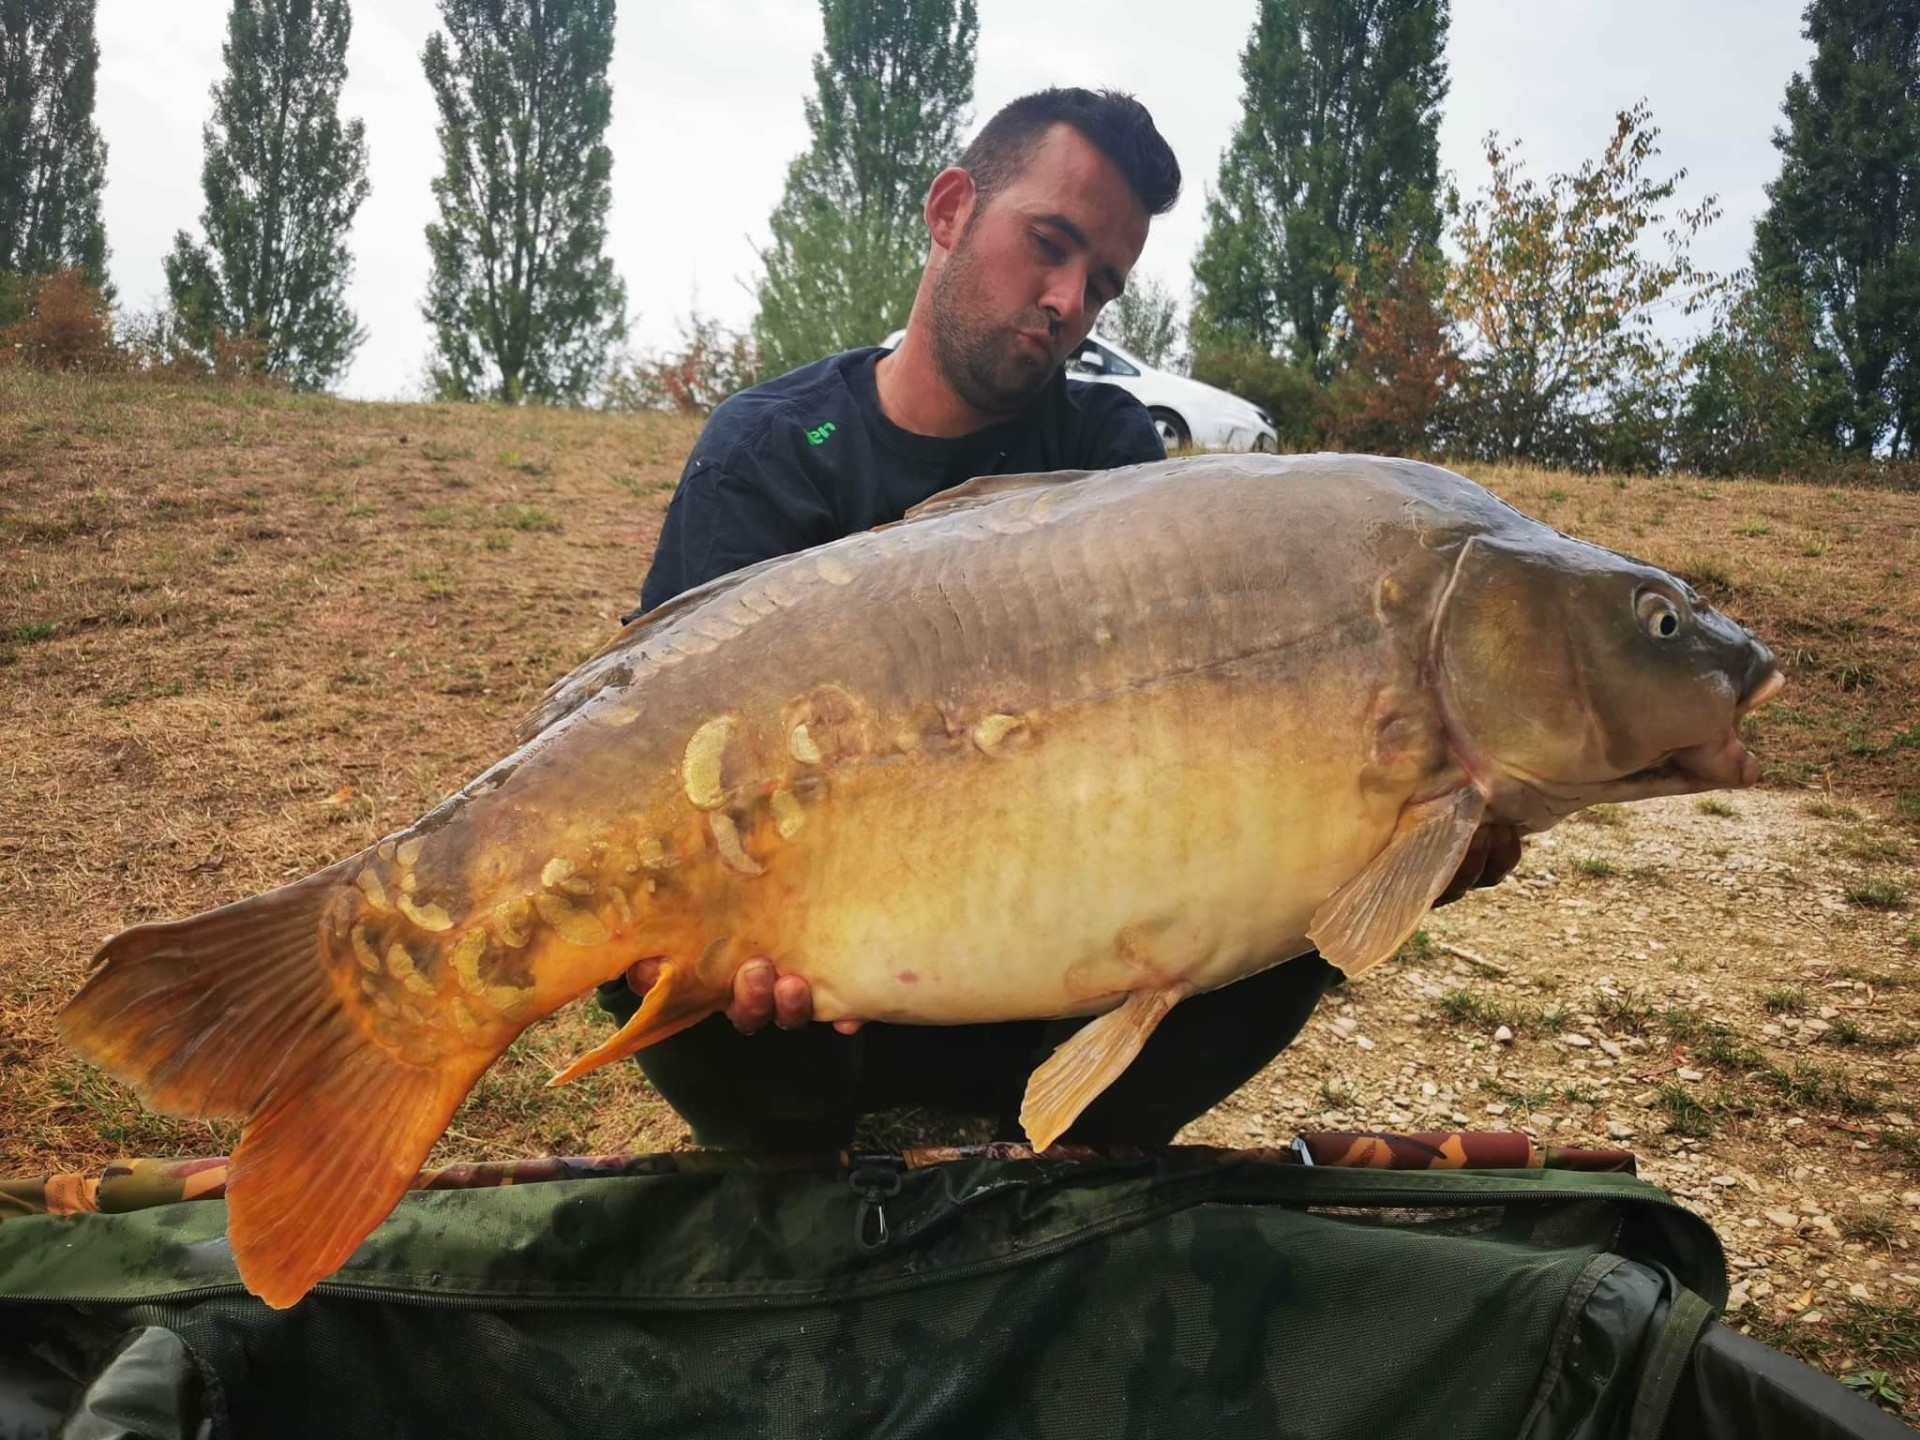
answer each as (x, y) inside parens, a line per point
(1117, 124)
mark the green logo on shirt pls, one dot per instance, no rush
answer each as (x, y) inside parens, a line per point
(819, 436)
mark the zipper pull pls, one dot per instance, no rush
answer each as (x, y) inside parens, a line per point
(875, 1180)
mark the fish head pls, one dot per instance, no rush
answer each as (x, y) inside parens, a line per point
(1570, 675)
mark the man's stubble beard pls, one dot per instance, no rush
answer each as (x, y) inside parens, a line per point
(979, 359)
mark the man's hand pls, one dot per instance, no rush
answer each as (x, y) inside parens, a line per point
(1491, 856)
(760, 994)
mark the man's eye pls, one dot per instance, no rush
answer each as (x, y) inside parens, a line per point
(1048, 248)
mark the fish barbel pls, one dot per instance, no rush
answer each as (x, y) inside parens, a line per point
(1052, 745)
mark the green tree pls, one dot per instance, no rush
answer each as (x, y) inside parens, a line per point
(1764, 395)
(1555, 298)
(1337, 148)
(1843, 224)
(523, 300)
(52, 159)
(891, 90)
(1145, 319)
(283, 178)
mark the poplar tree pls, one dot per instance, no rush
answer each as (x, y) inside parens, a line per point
(1841, 233)
(1336, 152)
(52, 159)
(283, 179)
(524, 302)
(892, 87)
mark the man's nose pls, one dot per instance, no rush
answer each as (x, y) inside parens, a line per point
(1066, 298)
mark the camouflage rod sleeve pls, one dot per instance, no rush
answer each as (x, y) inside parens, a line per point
(139, 1184)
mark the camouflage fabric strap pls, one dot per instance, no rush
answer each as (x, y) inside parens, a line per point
(140, 1184)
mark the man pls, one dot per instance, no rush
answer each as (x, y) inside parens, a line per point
(1032, 232)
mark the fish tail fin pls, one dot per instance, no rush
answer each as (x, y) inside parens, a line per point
(235, 1014)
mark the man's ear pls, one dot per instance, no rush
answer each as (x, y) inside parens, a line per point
(949, 206)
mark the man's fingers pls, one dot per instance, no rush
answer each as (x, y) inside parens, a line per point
(792, 1002)
(753, 991)
(643, 974)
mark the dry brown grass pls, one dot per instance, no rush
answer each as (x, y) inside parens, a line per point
(243, 633)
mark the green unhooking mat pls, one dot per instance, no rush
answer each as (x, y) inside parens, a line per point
(1189, 1292)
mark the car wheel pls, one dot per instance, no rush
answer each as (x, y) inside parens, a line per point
(1173, 430)
(1264, 445)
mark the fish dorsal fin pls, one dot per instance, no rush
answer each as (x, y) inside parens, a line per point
(603, 667)
(982, 488)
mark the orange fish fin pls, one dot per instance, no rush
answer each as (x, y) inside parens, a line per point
(1090, 1060)
(197, 1014)
(674, 1001)
(1371, 916)
(234, 1013)
(328, 1159)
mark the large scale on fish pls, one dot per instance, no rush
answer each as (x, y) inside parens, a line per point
(1052, 745)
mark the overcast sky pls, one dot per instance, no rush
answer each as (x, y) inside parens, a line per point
(707, 115)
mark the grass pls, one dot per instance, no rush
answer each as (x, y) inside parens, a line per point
(1844, 1031)
(1877, 894)
(1465, 1007)
(1790, 1001)
(1714, 805)
(1594, 867)
(1611, 816)
(1866, 1343)
(1626, 1014)
(1687, 1113)
(1869, 1227)
(259, 625)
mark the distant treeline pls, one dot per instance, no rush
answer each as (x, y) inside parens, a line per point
(1364, 298)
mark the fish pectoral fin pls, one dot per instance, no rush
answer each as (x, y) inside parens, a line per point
(1371, 916)
(675, 1001)
(1090, 1060)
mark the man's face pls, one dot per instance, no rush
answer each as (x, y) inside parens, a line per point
(1021, 287)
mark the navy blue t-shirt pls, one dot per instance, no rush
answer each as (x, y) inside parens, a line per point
(810, 457)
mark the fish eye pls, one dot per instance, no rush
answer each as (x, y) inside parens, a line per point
(1659, 616)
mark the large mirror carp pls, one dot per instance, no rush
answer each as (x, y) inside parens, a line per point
(1052, 745)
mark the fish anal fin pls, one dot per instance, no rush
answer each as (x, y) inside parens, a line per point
(1089, 1060)
(674, 1001)
(1371, 916)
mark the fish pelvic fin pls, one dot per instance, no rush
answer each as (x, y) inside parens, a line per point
(1370, 917)
(1089, 1060)
(234, 1013)
(675, 1001)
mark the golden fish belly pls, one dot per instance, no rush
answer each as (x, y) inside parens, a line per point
(1184, 834)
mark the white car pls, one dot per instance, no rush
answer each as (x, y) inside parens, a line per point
(1186, 411)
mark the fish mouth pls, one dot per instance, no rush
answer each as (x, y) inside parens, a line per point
(1723, 763)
